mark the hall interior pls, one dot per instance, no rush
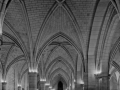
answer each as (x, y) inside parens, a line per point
(59, 44)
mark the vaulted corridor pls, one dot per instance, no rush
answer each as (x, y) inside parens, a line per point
(59, 44)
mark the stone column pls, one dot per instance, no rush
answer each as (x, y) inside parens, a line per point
(42, 85)
(32, 80)
(97, 82)
(104, 83)
(19, 88)
(79, 87)
(46, 87)
(4, 85)
(85, 81)
(75, 85)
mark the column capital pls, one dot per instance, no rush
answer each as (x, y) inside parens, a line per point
(104, 83)
(33, 67)
(43, 82)
(98, 76)
(4, 83)
(32, 73)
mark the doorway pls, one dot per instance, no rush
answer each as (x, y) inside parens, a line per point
(60, 85)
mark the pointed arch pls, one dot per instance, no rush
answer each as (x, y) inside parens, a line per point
(16, 39)
(63, 61)
(71, 42)
(26, 71)
(58, 72)
(71, 16)
(17, 59)
(65, 49)
(59, 77)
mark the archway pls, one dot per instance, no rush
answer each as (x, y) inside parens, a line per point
(60, 85)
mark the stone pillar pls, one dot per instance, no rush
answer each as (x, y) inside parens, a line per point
(104, 83)
(85, 81)
(32, 80)
(82, 87)
(75, 85)
(79, 87)
(42, 85)
(4, 85)
(19, 88)
(46, 87)
(97, 82)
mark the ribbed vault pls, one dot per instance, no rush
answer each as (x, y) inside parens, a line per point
(62, 40)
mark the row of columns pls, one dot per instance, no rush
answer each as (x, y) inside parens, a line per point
(102, 83)
(4, 84)
(32, 86)
(33, 83)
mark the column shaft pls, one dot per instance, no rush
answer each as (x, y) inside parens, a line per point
(32, 81)
(104, 83)
(79, 87)
(85, 81)
(97, 82)
(42, 85)
(19, 88)
(46, 87)
(4, 85)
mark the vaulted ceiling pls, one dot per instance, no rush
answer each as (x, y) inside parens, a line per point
(57, 34)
